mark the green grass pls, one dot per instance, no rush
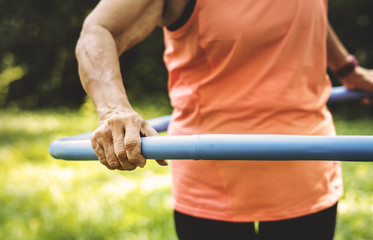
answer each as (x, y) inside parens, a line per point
(356, 207)
(44, 198)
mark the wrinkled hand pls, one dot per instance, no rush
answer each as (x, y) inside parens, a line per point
(117, 140)
(360, 79)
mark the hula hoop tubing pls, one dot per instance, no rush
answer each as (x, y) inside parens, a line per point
(342, 93)
(160, 124)
(236, 147)
(233, 147)
(79, 147)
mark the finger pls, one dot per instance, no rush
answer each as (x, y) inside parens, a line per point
(119, 148)
(99, 151)
(148, 130)
(106, 141)
(132, 143)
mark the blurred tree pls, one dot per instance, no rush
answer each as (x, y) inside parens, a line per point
(41, 35)
(38, 66)
(37, 62)
(352, 20)
(143, 70)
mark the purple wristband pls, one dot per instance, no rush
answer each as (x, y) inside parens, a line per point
(348, 68)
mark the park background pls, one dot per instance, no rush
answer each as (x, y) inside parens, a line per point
(41, 99)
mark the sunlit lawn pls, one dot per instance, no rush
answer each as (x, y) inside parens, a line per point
(44, 198)
(356, 207)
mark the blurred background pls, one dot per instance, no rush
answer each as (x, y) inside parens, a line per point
(41, 99)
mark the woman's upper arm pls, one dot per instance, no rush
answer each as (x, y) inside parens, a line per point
(128, 21)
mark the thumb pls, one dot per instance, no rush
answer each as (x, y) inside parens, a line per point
(149, 131)
(162, 162)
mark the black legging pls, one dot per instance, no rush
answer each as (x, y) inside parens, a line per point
(317, 226)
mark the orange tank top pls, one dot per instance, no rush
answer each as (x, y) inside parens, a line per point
(251, 67)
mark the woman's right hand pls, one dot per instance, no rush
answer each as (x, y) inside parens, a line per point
(117, 140)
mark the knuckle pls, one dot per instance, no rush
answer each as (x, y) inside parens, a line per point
(132, 143)
(105, 132)
(121, 153)
(135, 118)
(132, 167)
(95, 145)
(113, 121)
(101, 133)
(128, 166)
(114, 164)
(149, 131)
(137, 160)
(95, 137)
(132, 116)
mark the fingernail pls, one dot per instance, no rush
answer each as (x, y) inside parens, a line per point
(141, 165)
(163, 163)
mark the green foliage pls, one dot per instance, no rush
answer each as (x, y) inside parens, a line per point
(10, 74)
(352, 20)
(40, 37)
(143, 70)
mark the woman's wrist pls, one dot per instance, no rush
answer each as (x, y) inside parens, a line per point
(105, 112)
(348, 68)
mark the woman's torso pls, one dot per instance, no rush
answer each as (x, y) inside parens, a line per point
(251, 67)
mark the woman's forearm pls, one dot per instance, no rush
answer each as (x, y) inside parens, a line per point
(337, 54)
(112, 28)
(99, 70)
